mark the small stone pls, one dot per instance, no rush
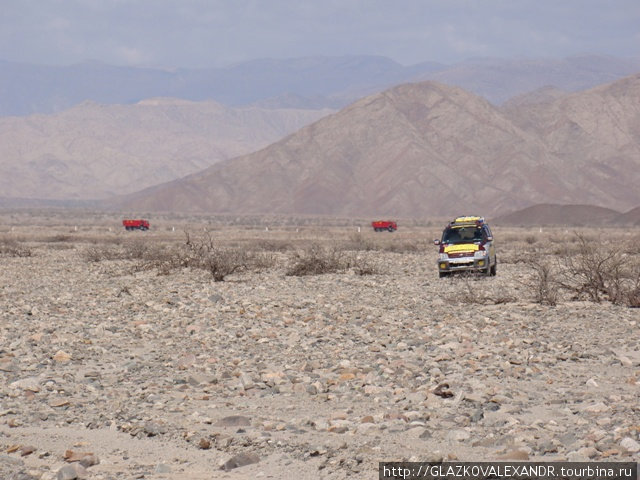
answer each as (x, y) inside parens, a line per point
(592, 383)
(14, 423)
(27, 450)
(477, 415)
(630, 445)
(71, 472)
(625, 361)
(599, 407)
(89, 460)
(31, 384)
(10, 366)
(588, 452)
(458, 435)
(162, 468)
(204, 444)
(516, 454)
(240, 460)
(233, 421)
(62, 357)
(153, 429)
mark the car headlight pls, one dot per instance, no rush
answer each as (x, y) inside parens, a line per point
(443, 256)
(480, 253)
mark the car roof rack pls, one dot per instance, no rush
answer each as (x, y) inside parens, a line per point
(467, 220)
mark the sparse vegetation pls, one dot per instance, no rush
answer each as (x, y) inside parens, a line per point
(11, 247)
(600, 271)
(544, 284)
(587, 268)
(317, 259)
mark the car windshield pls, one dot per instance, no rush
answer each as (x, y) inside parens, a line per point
(462, 235)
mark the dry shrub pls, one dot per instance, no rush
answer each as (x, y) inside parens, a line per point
(590, 269)
(406, 246)
(359, 242)
(600, 272)
(219, 261)
(317, 260)
(363, 266)
(133, 250)
(99, 253)
(544, 285)
(200, 253)
(10, 247)
(272, 245)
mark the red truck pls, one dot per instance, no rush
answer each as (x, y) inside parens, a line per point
(382, 225)
(136, 224)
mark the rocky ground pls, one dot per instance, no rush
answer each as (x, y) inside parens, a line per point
(109, 370)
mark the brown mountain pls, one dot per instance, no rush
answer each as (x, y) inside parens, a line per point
(95, 151)
(429, 149)
(569, 215)
(632, 217)
(552, 214)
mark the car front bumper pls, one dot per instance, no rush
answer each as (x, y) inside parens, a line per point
(463, 263)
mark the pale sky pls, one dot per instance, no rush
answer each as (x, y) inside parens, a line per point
(206, 33)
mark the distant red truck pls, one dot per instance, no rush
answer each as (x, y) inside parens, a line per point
(382, 225)
(136, 224)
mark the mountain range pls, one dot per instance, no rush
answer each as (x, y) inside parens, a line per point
(94, 151)
(309, 82)
(428, 149)
(569, 215)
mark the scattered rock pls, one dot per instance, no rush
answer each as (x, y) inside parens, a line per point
(630, 445)
(71, 472)
(240, 460)
(233, 421)
(61, 356)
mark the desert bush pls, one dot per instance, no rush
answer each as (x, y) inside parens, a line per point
(544, 285)
(128, 251)
(591, 271)
(363, 266)
(316, 260)
(58, 238)
(97, 253)
(220, 261)
(10, 247)
(271, 245)
(406, 246)
(601, 271)
(359, 242)
(200, 253)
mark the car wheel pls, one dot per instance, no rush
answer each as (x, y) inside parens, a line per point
(494, 269)
(443, 274)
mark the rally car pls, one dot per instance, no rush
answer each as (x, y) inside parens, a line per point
(467, 245)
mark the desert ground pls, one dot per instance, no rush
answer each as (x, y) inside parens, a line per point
(323, 351)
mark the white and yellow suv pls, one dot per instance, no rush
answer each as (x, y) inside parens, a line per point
(467, 245)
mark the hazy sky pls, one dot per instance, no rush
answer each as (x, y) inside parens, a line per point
(199, 33)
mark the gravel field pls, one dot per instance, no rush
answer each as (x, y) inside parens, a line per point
(115, 367)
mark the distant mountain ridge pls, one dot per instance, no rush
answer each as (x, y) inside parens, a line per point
(94, 151)
(321, 82)
(569, 215)
(428, 149)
